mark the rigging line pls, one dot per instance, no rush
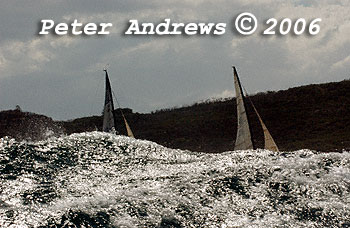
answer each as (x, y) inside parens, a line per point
(129, 131)
(256, 111)
(250, 100)
(246, 94)
(115, 97)
(121, 93)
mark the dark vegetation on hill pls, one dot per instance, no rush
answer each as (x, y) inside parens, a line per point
(27, 125)
(313, 116)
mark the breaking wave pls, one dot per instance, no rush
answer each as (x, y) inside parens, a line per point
(103, 180)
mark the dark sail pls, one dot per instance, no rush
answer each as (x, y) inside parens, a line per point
(243, 138)
(108, 116)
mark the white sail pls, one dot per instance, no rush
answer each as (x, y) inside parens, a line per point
(108, 116)
(243, 138)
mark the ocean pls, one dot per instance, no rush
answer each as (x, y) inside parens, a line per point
(97, 179)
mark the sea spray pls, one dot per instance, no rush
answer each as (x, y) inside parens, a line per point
(103, 180)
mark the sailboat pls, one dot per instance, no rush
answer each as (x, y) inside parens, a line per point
(244, 137)
(108, 114)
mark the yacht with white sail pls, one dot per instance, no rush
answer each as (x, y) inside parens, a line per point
(244, 137)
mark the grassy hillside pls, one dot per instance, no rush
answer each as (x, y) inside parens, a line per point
(314, 116)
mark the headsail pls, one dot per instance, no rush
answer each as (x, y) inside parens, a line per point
(269, 142)
(128, 129)
(108, 116)
(243, 138)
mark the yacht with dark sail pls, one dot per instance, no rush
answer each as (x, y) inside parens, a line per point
(244, 136)
(108, 115)
(108, 111)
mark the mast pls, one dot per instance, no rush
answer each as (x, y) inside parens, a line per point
(108, 115)
(243, 139)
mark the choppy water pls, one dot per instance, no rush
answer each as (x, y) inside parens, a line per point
(102, 180)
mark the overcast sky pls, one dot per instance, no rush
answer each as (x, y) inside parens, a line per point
(62, 77)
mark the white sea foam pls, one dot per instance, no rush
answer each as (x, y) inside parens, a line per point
(138, 183)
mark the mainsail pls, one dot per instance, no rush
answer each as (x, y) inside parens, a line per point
(243, 138)
(108, 116)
